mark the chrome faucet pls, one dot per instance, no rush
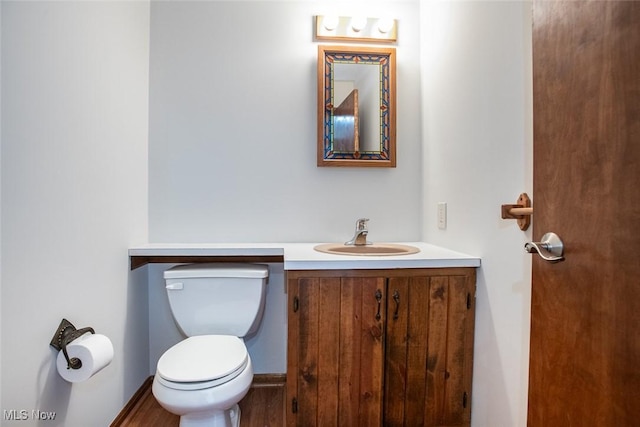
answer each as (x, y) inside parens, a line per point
(360, 236)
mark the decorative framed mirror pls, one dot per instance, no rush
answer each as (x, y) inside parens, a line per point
(356, 106)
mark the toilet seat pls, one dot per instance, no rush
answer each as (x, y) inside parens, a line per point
(202, 361)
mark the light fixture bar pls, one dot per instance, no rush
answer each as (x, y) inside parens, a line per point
(330, 27)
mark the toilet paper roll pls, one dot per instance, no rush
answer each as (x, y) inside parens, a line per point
(95, 351)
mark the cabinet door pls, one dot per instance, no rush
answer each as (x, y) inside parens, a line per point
(429, 341)
(335, 351)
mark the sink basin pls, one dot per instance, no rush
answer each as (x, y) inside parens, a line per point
(376, 249)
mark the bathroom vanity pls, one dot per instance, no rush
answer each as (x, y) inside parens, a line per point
(380, 347)
(371, 340)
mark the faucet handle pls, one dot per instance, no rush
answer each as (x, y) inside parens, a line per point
(361, 224)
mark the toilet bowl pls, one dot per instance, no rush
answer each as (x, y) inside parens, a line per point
(203, 377)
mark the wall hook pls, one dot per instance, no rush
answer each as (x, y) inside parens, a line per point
(66, 333)
(521, 211)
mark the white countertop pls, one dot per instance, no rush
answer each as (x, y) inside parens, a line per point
(302, 256)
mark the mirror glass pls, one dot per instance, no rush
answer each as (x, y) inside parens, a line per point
(356, 106)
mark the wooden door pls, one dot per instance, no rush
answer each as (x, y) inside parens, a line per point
(429, 354)
(335, 351)
(585, 314)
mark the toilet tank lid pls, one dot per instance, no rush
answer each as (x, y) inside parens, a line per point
(215, 269)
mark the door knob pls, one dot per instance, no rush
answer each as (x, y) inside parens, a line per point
(550, 248)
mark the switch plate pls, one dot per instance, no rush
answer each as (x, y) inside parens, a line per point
(442, 215)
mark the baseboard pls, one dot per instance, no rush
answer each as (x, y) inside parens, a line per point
(131, 404)
(269, 380)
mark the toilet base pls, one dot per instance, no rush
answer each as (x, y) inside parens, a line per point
(228, 418)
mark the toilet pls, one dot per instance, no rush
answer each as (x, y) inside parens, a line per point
(215, 305)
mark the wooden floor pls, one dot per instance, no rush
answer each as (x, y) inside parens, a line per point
(263, 406)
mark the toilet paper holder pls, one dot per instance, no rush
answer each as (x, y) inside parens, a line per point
(66, 333)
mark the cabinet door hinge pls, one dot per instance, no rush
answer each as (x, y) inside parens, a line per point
(294, 406)
(464, 400)
(468, 300)
(296, 304)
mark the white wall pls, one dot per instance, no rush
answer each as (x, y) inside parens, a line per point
(74, 198)
(477, 132)
(232, 143)
(232, 136)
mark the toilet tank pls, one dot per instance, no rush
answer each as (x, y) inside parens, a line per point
(217, 298)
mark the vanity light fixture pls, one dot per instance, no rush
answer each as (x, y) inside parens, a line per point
(331, 27)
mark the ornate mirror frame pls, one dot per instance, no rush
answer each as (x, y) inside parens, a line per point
(357, 148)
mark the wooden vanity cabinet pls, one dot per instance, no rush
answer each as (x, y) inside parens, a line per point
(380, 347)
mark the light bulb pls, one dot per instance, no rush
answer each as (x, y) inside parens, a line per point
(385, 25)
(330, 22)
(358, 23)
